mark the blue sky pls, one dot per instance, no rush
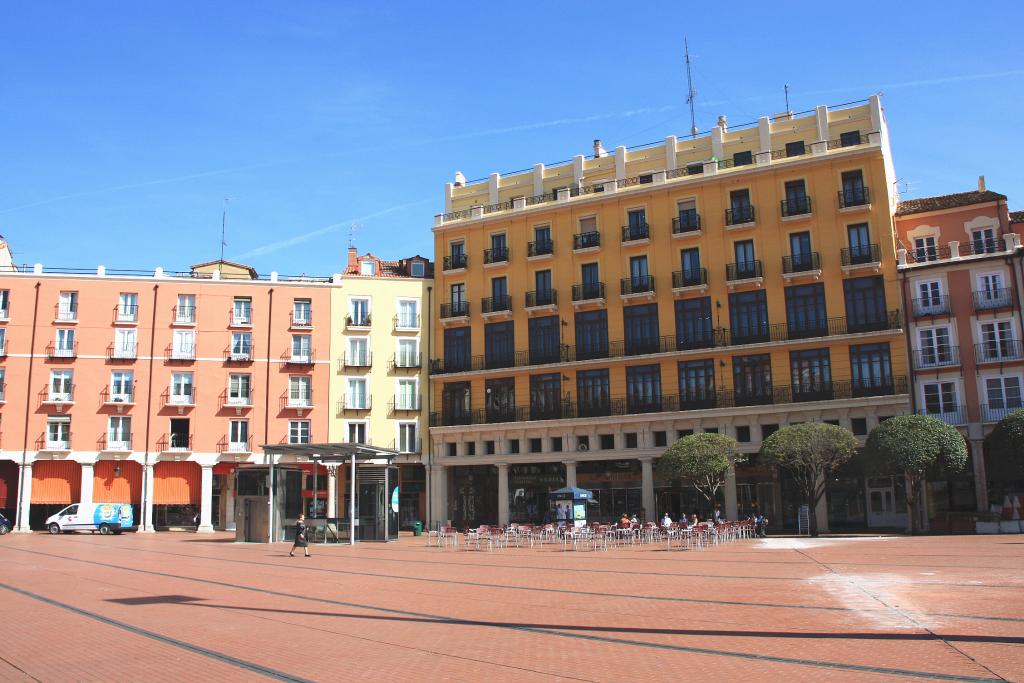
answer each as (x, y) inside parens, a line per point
(124, 125)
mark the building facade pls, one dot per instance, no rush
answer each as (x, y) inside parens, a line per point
(591, 313)
(960, 275)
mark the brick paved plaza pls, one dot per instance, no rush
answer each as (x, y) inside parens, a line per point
(186, 607)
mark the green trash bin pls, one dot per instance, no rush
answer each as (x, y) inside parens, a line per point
(417, 529)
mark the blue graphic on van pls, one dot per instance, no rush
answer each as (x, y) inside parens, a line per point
(114, 514)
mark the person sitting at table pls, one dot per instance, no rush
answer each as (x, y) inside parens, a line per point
(694, 519)
(624, 521)
(718, 515)
(684, 521)
(634, 519)
(666, 521)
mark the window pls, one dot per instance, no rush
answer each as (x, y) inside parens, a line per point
(302, 348)
(696, 384)
(801, 257)
(359, 311)
(239, 389)
(984, 241)
(925, 249)
(542, 239)
(639, 277)
(408, 397)
(929, 298)
(546, 396)
(61, 386)
(556, 444)
(417, 269)
(499, 294)
(997, 340)
(300, 391)
(455, 399)
(58, 433)
(367, 267)
(593, 394)
(408, 353)
(797, 202)
(302, 312)
(865, 304)
(5, 304)
(183, 346)
(940, 398)
(122, 387)
(3, 384)
(67, 306)
(641, 328)
(545, 339)
(811, 374)
(185, 311)
(499, 248)
(693, 323)
(934, 347)
(591, 334)
(542, 288)
(853, 193)
(687, 215)
(453, 449)
(489, 448)
(588, 236)
(513, 445)
(3, 341)
(591, 287)
(456, 349)
(636, 224)
(355, 432)
(690, 262)
(500, 399)
(241, 311)
(583, 442)
(859, 426)
(631, 440)
(748, 315)
(536, 445)
(991, 293)
(127, 307)
(746, 264)
(356, 393)
(871, 370)
(1003, 395)
(407, 438)
(458, 252)
(743, 433)
(768, 430)
(860, 244)
(805, 311)
(119, 433)
(64, 346)
(241, 345)
(643, 389)
(458, 298)
(408, 314)
(499, 345)
(752, 379)
(181, 388)
(660, 439)
(181, 435)
(744, 158)
(607, 442)
(795, 149)
(298, 431)
(238, 436)
(849, 138)
(358, 352)
(740, 210)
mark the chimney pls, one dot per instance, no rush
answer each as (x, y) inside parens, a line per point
(981, 183)
(723, 123)
(460, 179)
(599, 150)
(353, 259)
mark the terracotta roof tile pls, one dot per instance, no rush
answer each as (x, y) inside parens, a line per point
(1017, 216)
(946, 201)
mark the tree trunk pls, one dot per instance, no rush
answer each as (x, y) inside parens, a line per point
(912, 486)
(812, 515)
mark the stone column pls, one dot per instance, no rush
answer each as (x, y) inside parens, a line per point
(332, 490)
(229, 502)
(438, 482)
(503, 513)
(732, 509)
(570, 473)
(206, 501)
(25, 486)
(147, 495)
(85, 494)
(980, 476)
(647, 489)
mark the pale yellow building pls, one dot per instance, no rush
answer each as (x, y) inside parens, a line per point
(378, 365)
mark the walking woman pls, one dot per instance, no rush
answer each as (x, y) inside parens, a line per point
(300, 537)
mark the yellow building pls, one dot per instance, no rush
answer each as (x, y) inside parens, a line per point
(591, 313)
(379, 376)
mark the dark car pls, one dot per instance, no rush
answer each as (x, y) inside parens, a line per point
(5, 524)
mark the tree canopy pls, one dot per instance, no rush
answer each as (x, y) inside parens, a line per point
(1004, 448)
(702, 459)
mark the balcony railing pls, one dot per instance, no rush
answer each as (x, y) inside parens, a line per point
(180, 352)
(48, 443)
(875, 323)
(498, 255)
(297, 401)
(226, 445)
(540, 248)
(121, 444)
(122, 351)
(862, 255)
(991, 412)
(586, 240)
(354, 403)
(239, 401)
(739, 215)
(301, 319)
(405, 361)
(300, 357)
(640, 284)
(797, 206)
(745, 270)
(363, 359)
(360, 321)
(242, 353)
(632, 233)
(65, 313)
(695, 277)
(754, 333)
(184, 315)
(544, 297)
(185, 398)
(931, 305)
(454, 262)
(938, 357)
(241, 318)
(588, 291)
(459, 309)
(410, 323)
(977, 247)
(929, 253)
(854, 197)
(801, 263)
(686, 221)
(989, 299)
(404, 404)
(496, 304)
(406, 446)
(998, 351)
(64, 394)
(127, 313)
(951, 415)
(123, 397)
(62, 352)
(179, 443)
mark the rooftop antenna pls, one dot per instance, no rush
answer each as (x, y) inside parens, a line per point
(352, 235)
(786, 89)
(223, 225)
(690, 92)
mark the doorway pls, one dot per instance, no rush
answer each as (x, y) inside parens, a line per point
(887, 502)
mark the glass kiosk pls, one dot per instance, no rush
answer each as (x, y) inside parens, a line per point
(570, 505)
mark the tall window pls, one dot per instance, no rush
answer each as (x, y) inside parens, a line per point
(65, 342)
(637, 223)
(811, 374)
(542, 287)
(805, 311)
(122, 386)
(125, 344)
(746, 264)
(455, 398)
(643, 389)
(238, 436)
(302, 347)
(1003, 395)
(241, 345)
(641, 327)
(407, 437)
(591, 281)
(58, 433)
(67, 306)
(182, 390)
(797, 202)
(408, 397)
(61, 386)
(860, 243)
(239, 389)
(984, 241)
(591, 334)
(929, 297)
(408, 353)
(499, 345)
(854, 193)
(545, 339)
(359, 311)
(690, 262)
(356, 432)
(748, 315)
(740, 209)
(359, 352)
(458, 295)
(542, 239)
(935, 348)
(499, 247)
(639, 277)
(697, 384)
(500, 399)
(940, 398)
(990, 291)
(302, 312)
(5, 304)
(546, 396)
(997, 340)
(925, 248)
(871, 369)
(184, 344)
(185, 311)
(499, 290)
(128, 307)
(593, 393)
(241, 311)
(456, 349)
(687, 215)
(865, 304)
(356, 393)
(801, 256)
(458, 253)
(752, 379)
(588, 235)
(408, 314)
(300, 391)
(298, 431)
(694, 323)
(119, 433)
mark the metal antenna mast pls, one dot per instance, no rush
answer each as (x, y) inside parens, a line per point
(223, 225)
(690, 92)
(786, 89)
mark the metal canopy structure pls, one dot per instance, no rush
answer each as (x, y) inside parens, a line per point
(332, 453)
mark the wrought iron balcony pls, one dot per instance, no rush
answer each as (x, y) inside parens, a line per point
(127, 351)
(586, 240)
(498, 255)
(184, 315)
(801, 263)
(406, 323)
(540, 248)
(752, 333)
(989, 299)
(62, 351)
(979, 246)
(125, 397)
(185, 398)
(744, 270)
(126, 313)
(360, 320)
(994, 412)
(997, 351)
(239, 400)
(496, 304)
(891, 320)
(238, 353)
(937, 357)
(454, 262)
(175, 443)
(931, 305)
(687, 221)
(354, 403)
(357, 360)
(641, 284)
(633, 233)
(857, 196)
(739, 215)
(955, 416)
(862, 255)
(404, 404)
(67, 313)
(544, 297)
(180, 352)
(405, 361)
(302, 318)
(588, 291)
(797, 206)
(694, 277)
(458, 309)
(300, 357)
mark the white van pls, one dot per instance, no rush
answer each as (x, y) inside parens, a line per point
(105, 518)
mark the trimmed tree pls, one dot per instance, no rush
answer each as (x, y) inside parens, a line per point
(702, 459)
(913, 445)
(812, 452)
(1004, 449)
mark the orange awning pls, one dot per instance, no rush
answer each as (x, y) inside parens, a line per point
(177, 483)
(124, 488)
(56, 482)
